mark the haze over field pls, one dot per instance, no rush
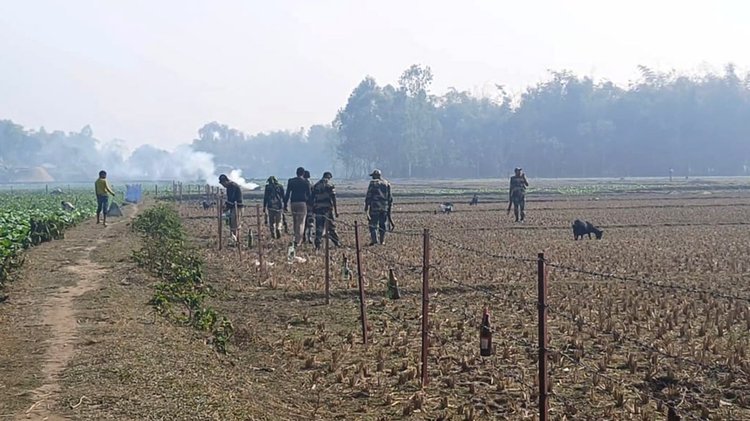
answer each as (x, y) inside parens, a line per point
(420, 89)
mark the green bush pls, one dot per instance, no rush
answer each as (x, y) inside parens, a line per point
(165, 254)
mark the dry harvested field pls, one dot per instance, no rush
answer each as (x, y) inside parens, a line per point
(664, 331)
(655, 314)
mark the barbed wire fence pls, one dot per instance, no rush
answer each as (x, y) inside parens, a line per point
(541, 389)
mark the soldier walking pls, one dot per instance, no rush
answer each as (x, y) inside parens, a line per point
(517, 194)
(298, 192)
(273, 204)
(378, 203)
(325, 209)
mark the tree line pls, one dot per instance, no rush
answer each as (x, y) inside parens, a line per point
(564, 126)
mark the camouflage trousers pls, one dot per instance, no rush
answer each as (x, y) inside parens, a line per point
(274, 222)
(321, 219)
(519, 206)
(378, 220)
(309, 228)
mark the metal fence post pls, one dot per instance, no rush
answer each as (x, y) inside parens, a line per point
(543, 377)
(425, 305)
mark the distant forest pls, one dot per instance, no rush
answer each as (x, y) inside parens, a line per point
(565, 126)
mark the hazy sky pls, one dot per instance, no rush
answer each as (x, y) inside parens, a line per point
(154, 71)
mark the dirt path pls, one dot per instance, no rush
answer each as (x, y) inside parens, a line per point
(60, 316)
(79, 340)
(46, 305)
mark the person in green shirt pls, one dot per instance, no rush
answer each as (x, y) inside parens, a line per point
(103, 190)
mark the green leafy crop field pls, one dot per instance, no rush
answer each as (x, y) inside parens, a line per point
(30, 218)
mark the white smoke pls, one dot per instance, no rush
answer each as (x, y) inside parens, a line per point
(188, 164)
(236, 176)
(150, 163)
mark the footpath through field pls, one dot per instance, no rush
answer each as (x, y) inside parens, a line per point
(78, 340)
(41, 324)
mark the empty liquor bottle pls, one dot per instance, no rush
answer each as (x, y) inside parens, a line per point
(393, 292)
(291, 252)
(346, 272)
(485, 335)
(250, 239)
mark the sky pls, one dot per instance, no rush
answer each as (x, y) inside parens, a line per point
(149, 71)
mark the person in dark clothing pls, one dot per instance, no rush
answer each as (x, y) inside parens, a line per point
(310, 218)
(273, 204)
(233, 203)
(517, 194)
(378, 203)
(298, 192)
(325, 209)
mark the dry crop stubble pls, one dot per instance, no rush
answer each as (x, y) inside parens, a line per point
(630, 341)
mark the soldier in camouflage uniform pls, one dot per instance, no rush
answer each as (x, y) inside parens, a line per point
(325, 210)
(273, 203)
(517, 194)
(378, 203)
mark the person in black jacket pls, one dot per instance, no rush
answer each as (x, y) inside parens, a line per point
(233, 204)
(298, 192)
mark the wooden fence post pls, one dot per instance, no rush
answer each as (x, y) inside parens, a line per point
(328, 265)
(543, 343)
(238, 234)
(425, 305)
(260, 246)
(362, 305)
(219, 213)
